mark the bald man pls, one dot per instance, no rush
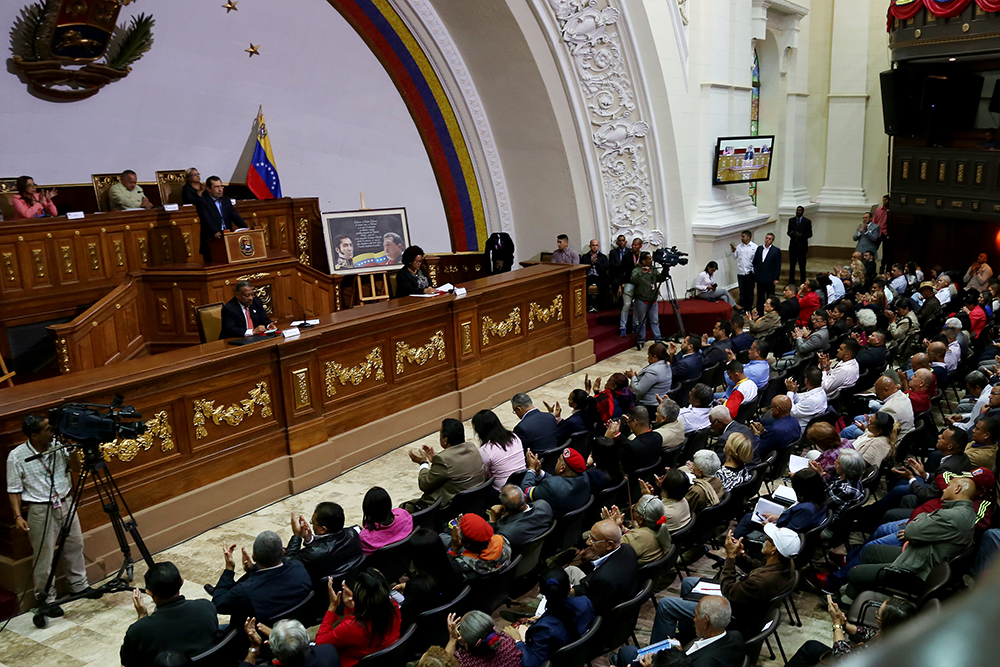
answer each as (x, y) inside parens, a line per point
(891, 401)
(781, 434)
(613, 568)
(918, 389)
(597, 275)
(935, 354)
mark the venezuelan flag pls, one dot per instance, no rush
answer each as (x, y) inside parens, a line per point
(262, 177)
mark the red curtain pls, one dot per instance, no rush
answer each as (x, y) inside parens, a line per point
(906, 9)
(946, 8)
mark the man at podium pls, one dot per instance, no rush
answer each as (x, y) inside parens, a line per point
(217, 215)
(243, 315)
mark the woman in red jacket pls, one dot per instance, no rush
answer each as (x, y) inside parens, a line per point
(371, 618)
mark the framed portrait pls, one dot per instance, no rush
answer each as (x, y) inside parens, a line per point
(365, 241)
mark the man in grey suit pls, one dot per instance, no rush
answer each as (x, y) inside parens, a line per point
(867, 236)
(518, 521)
(455, 468)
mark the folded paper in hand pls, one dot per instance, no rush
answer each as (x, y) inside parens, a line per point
(797, 463)
(765, 506)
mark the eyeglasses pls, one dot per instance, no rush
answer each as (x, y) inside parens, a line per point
(591, 541)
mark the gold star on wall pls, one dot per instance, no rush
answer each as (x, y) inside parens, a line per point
(230, 6)
(253, 50)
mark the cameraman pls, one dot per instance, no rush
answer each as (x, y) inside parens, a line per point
(644, 307)
(44, 485)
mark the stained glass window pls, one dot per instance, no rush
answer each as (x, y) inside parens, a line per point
(754, 110)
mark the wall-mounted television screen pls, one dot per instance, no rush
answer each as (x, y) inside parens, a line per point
(742, 159)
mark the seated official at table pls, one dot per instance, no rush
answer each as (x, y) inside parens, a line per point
(30, 203)
(217, 215)
(193, 187)
(413, 278)
(243, 315)
(127, 193)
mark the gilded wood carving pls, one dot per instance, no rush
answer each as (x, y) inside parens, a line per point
(233, 415)
(355, 374)
(419, 355)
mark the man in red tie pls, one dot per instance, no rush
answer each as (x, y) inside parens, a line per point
(244, 314)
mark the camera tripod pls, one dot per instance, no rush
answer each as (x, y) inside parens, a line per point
(110, 497)
(665, 279)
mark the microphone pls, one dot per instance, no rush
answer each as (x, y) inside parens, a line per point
(304, 325)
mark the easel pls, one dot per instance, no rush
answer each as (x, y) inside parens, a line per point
(370, 287)
(5, 375)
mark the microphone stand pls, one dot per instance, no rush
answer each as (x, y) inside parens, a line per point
(305, 324)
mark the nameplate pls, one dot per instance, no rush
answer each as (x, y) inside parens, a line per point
(460, 291)
(233, 202)
(75, 215)
(290, 333)
(170, 207)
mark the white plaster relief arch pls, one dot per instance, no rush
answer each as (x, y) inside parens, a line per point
(590, 34)
(439, 47)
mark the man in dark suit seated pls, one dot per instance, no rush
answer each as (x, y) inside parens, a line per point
(766, 270)
(609, 570)
(217, 213)
(518, 521)
(537, 430)
(270, 586)
(715, 352)
(243, 315)
(643, 448)
(686, 363)
(713, 646)
(566, 490)
(187, 626)
(322, 544)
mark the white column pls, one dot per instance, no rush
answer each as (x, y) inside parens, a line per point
(843, 190)
(724, 77)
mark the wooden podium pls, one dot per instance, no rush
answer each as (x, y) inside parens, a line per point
(247, 245)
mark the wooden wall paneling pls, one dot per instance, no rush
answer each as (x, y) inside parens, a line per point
(11, 271)
(466, 332)
(66, 259)
(95, 262)
(40, 269)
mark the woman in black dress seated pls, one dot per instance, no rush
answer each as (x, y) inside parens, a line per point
(413, 278)
(193, 189)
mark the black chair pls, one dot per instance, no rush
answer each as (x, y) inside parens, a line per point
(471, 501)
(578, 653)
(810, 540)
(684, 538)
(427, 517)
(227, 651)
(622, 620)
(670, 454)
(531, 554)
(741, 494)
(392, 560)
(747, 410)
(682, 392)
(697, 440)
(647, 475)
(489, 591)
(613, 495)
(568, 531)
(869, 480)
(580, 441)
(710, 520)
(657, 570)
(390, 656)
(769, 626)
(712, 375)
(432, 625)
(297, 611)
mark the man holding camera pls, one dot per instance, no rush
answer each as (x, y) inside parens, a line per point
(43, 486)
(644, 307)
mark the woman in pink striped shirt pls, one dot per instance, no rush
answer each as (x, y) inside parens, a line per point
(501, 450)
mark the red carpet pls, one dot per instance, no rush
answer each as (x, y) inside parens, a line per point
(698, 315)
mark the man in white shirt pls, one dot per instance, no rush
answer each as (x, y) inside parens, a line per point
(892, 401)
(43, 487)
(844, 373)
(897, 279)
(954, 353)
(943, 292)
(976, 385)
(695, 415)
(743, 254)
(810, 403)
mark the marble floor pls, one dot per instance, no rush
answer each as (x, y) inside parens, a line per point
(90, 633)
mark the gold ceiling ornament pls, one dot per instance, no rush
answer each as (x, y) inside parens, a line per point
(500, 329)
(419, 355)
(545, 314)
(125, 450)
(252, 50)
(56, 46)
(355, 374)
(231, 6)
(234, 414)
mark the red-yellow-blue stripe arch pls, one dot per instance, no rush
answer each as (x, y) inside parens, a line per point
(378, 23)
